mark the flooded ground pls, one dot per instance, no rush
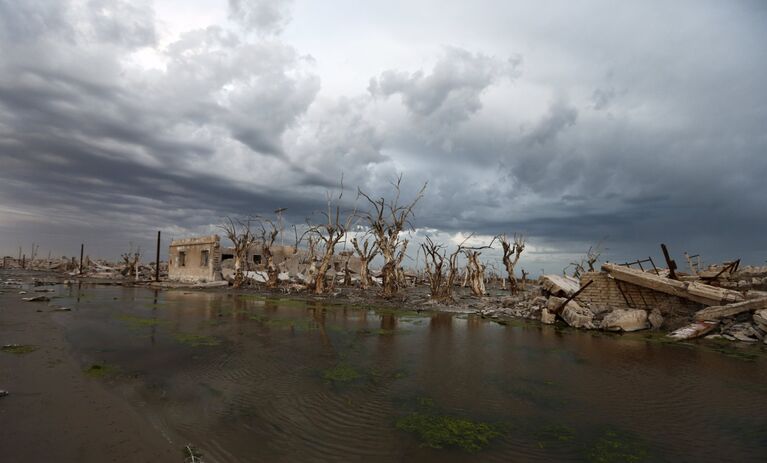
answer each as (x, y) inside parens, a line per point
(246, 378)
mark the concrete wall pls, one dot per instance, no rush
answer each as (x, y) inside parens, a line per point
(292, 261)
(190, 268)
(606, 292)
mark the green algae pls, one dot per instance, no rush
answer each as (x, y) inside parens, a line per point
(615, 446)
(341, 373)
(19, 349)
(101, 370)
(554, 434)
(196, 340)
(440, 431)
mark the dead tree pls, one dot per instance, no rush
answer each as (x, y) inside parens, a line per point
(386, 220)
(441, 270)
(347, 272)
(475, 272)
(239, 233)
(268, 234)
(329, 233)
(366, 253)
(130, 262)
(591, 258)
(511, 252)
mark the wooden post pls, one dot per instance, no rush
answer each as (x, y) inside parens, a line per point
(82, 249)
(157, 260)
(670, 262)
(23, 261)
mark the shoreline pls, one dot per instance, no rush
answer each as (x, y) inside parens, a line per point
(54, 411)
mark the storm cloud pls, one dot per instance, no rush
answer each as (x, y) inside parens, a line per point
(638, 125)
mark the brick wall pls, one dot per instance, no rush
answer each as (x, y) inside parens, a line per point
(608, 293)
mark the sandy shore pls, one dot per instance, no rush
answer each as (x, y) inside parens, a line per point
(54, 412)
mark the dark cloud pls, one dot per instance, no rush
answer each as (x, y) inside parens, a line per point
(652, 138)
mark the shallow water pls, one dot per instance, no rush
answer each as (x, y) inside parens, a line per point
(245, 378)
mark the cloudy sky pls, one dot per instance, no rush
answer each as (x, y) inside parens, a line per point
(639, 122)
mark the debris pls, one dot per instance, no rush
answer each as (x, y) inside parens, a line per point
(719, 312)
(625, 320)
(62, 309)
(693, 330)
(211, 284)
(744, 332)
(36, 299)
(577, 316)
(547, 317)
(760, 319)
(559, 285)
(3, 393)
(656, 319)
(555, 304)
(726, 296)
(694, 291)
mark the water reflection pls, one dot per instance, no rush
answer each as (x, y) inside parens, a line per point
(290, 380)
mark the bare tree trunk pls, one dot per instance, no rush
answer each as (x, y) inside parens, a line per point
(511, 253)
(366, 253)
(475, 273)
(347, 273)
(440, 282)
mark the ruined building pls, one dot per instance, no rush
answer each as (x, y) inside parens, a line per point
(203, 259)
(195, 259)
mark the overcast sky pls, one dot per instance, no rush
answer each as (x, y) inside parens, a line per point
(639, 122)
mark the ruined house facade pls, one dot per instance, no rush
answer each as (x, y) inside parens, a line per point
(195, 259)
(203, 259)
(291, 260)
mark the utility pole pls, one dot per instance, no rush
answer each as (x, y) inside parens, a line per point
(157, 260)
(82, 249)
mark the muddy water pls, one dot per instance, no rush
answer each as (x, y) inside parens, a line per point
(252, 379)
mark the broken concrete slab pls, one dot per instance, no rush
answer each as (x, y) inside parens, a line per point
(560, 285)
(725, 296)
(701, 293)
(625, 320)
(744, 332)
(760, 319)
(577, 316)
(729, 310)
(547, 317)
(693, 330)
(555, 304)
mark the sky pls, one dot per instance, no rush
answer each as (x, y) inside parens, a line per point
(572, 123)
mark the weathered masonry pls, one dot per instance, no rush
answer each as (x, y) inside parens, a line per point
(195, 259)
(607, 293)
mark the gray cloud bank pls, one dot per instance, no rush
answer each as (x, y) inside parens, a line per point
(611, 129)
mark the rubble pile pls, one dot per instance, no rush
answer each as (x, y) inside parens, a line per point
(631, 299)
(100, 269)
